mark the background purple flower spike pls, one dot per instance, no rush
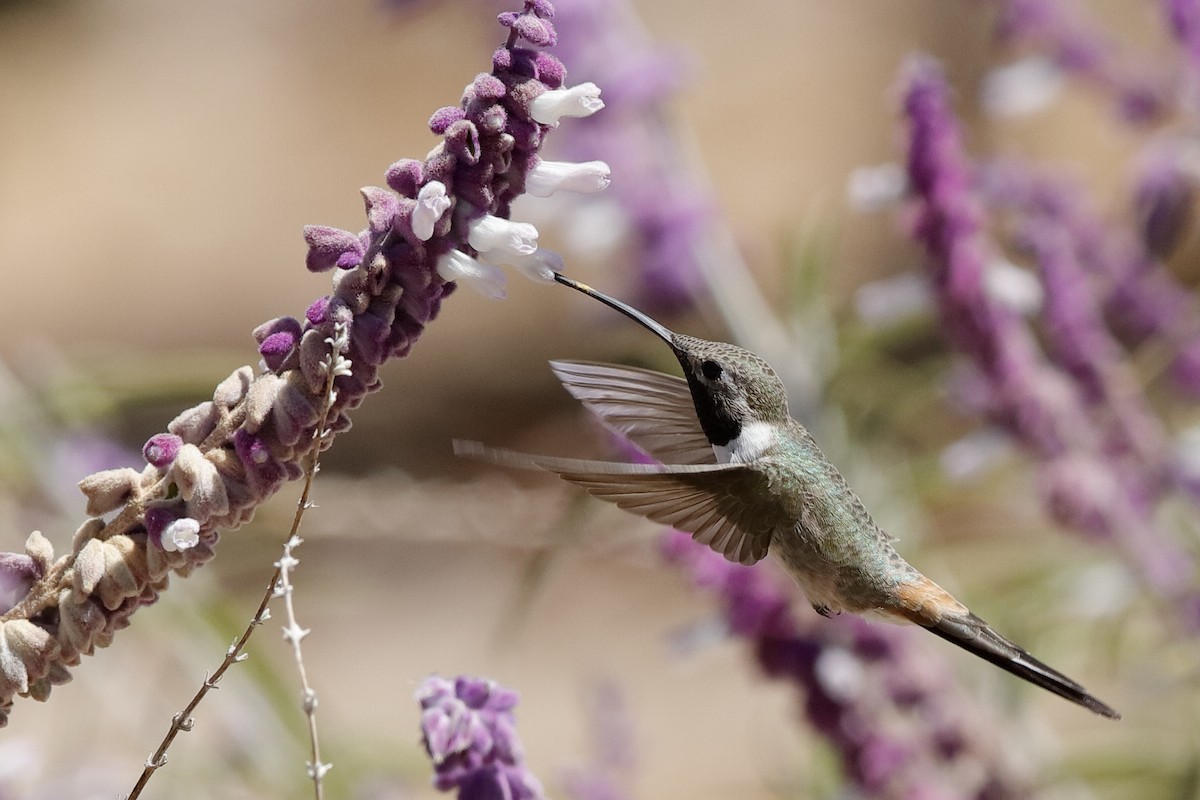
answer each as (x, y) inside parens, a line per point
(470, 733)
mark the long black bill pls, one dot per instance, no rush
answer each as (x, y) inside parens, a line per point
(629, 311)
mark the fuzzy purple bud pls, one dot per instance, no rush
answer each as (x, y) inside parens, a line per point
(331, 247)
(536, 31)
(405, 177)
(444, 117)
(318, 312)
(277, 347)
(160, 450)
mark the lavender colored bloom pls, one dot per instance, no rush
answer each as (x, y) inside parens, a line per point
(470, 734)
(1184, 17)
(665, 214)
(1165, 197)
(1045, 408)
(233, 452)
(1139, 297)
(1061, 29)
(887, 711)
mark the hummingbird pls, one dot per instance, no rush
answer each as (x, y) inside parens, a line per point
(743, 477)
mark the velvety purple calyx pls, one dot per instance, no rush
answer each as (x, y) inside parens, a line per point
(158, 518)
(263, 471)
(405, 177)
(381, 206)
(444, 117)
(277, 347)
(318, 312)
(160, 450)
(331, 247)
(18, 572)
(487, 88)
(531, 28)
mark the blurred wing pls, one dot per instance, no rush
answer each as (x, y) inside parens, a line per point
(708, 501)
(653, 410)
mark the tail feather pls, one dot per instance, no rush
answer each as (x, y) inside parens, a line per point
(975, 636)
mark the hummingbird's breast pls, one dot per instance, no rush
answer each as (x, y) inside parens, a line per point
(833, 547)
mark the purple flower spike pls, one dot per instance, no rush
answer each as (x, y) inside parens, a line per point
(1105, 463)
(330, 247)
(890, 744)
(1184, 16)
(390, 288)
(470, 734)
(161, 449)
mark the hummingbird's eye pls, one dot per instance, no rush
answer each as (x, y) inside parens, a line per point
(710, 369)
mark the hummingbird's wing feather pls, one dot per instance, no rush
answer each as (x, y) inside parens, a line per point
(932, 607)
(653, 410)
(704, 500)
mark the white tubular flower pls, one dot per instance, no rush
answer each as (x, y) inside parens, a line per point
(486, 279)
(578, 101)
(182, 534)
(548, 177)
(502, 237)
(432, 202)
(539, 266)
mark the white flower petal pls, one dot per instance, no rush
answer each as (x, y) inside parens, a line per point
(486, 279)
(539, 266)
(182, 534)
(432, 203)
(548, 177)
(578, 101)
(492, 234)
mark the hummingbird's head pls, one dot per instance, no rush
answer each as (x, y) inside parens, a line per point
(731, 387)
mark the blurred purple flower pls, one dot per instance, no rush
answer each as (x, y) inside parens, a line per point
(1184, 19)
(1045, 408)
(664, 210)
(442, 220)
(1061, 29)
(611, 743)
(470, 734)
(891, 715)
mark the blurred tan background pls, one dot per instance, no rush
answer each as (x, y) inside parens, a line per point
(157, 162)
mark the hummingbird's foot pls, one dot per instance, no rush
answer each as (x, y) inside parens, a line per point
(825, 611)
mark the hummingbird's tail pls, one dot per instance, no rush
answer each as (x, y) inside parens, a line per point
(974, 635)
(922, 601)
